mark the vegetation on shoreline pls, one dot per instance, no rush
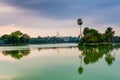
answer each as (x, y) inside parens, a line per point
(54, 39)
(93, 37)
(89, 37)
(16, 38)
(19, 38)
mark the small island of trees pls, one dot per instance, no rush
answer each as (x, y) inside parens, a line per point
(93, 37)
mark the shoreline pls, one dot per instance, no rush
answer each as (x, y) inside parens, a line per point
(60, 45)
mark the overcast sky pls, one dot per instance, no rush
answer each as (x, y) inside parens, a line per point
(46, 17)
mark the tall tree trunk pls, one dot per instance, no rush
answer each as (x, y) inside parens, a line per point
(80, 32)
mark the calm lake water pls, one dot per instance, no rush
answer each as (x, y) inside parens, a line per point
(59, 62)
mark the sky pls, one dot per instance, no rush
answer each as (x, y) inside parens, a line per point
(46, 17)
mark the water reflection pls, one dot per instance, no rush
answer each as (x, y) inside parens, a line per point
(17, 54)
(57, 50)
(90, 55)
(109, 58)
(42, 62)
(80, 69)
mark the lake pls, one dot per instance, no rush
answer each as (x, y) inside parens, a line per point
(59, 62)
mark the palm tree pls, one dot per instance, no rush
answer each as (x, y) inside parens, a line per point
(80, 22)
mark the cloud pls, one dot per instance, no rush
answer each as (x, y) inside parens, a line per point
(69, 9)
(62, 8)
(58, 14)
(12, 15)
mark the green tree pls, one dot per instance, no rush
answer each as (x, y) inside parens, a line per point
(86, 30)
(24, 39)
(17, 33)
(13, 39)
(16, 37)
(109, 33)
(5, 38)
(93, 37)
(80, 22)
(90, 36)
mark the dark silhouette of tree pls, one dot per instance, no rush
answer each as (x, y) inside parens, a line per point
(80, 22)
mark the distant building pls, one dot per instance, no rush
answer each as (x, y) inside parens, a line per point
(58, 35)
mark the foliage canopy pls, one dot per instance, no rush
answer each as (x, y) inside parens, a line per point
(93, 37)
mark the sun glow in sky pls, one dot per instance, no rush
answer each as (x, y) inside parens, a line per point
(46, 17)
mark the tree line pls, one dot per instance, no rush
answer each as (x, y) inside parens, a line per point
(53, 39)
(17, 37)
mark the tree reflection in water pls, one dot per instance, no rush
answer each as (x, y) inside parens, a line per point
(109, 58)
(17, 54)
(80, 69)
(91, 54)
